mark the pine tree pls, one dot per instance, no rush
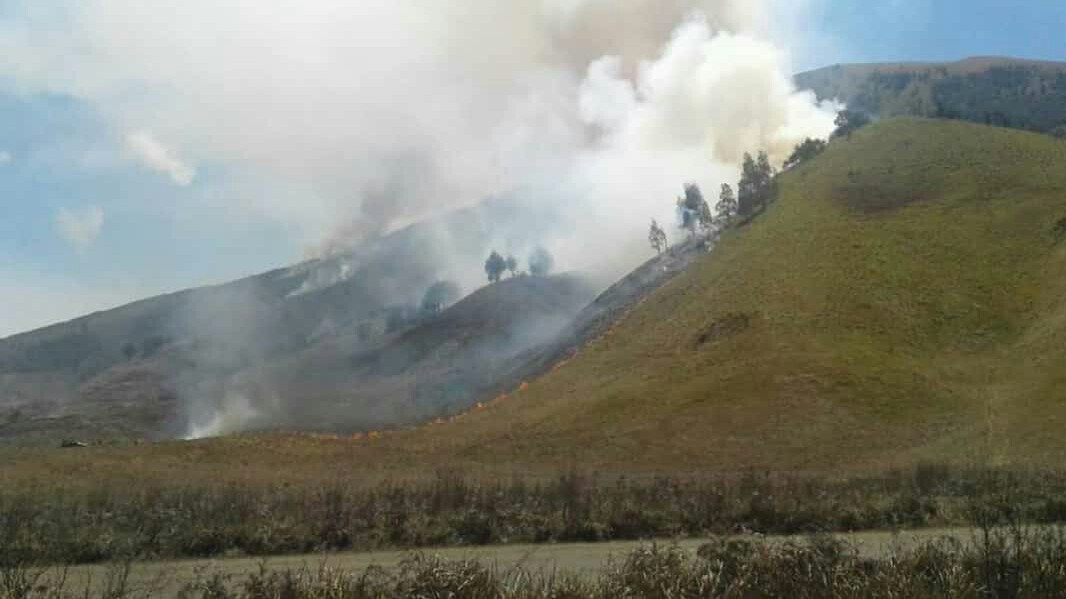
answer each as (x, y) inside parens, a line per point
(767, 183)
(726, 207)
(748, 188)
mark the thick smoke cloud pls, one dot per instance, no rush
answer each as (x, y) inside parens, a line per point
(345, 120)
(688, 115)
(373, 114)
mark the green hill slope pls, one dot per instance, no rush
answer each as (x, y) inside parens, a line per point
(904, 299)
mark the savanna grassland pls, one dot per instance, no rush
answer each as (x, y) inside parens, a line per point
(902, 303)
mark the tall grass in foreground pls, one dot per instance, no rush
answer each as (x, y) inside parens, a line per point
(49, 527)
(999, 563)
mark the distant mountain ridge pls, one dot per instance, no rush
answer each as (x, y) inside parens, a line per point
(992, 90)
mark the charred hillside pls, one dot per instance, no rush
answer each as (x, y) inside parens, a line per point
(437, 366)
(597, 318)
(149, 368)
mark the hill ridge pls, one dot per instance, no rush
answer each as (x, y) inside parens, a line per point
(1010, 92)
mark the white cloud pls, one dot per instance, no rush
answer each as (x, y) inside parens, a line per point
(157, 157)
(5, 157)
(80, 228)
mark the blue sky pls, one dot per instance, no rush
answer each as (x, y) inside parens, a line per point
(934, 30)
(105, 197)
(59, 156)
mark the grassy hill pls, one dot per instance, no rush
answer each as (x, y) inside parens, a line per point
(904, 300)
(1023, 94)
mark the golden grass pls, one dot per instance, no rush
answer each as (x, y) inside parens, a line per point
(903, 300)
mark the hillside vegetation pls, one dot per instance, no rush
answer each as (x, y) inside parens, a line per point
(903, 300)
(1022, 94)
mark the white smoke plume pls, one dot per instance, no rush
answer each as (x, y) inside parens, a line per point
(689, 115)
(235, 412)
(376, 113)
(345, 120)
(157, 157)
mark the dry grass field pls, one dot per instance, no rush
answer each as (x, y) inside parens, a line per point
(902, 303)
(904, 300)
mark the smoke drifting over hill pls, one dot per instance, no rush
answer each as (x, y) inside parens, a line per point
(348, 119)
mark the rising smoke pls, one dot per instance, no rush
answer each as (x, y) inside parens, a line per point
(378, 113)
(346, 120)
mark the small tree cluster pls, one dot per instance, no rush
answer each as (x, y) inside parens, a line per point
(540, 264)
(657, 237)
(756, 188)
(849, 121)
(495, 266)
(805, 151)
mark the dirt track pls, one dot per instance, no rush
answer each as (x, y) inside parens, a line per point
(587, 559)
